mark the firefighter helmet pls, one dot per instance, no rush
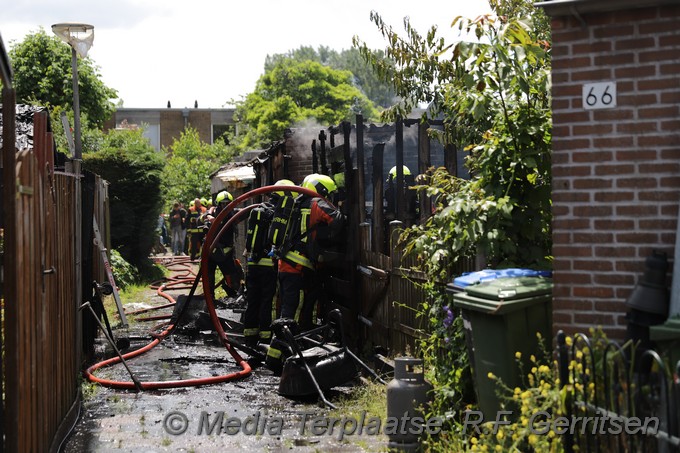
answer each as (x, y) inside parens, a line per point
(393, 171)
(224, 196)
(321, 184)
(285, 182)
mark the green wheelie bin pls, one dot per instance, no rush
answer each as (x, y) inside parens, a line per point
(502, 317)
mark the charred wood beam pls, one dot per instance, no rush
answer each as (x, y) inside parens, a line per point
(315, 158)
(423, 165)
(322, 152)
(399, 137)
(378, 235)
(360, 168)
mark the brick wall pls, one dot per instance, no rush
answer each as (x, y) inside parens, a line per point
(616, 172)
(171, 125)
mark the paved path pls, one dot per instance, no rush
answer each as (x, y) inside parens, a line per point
(155, 421)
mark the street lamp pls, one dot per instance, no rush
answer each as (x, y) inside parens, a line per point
(80, 38)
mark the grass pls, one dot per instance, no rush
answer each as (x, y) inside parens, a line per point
(369, 397)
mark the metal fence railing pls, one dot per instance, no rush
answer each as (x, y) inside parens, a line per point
(620, 399)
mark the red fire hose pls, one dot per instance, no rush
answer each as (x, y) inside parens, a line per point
(211, 237)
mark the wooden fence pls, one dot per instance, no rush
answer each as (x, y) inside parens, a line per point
(376, 290)
(43, 289)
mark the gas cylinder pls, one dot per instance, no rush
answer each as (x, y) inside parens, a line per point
(407, 393)
(283, 211)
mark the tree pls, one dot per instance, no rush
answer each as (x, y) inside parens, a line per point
(42, 75)
(189, 165)
(364, 77)
(493, 94)
(294, 91)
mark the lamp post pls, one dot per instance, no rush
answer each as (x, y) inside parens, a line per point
(80, 38)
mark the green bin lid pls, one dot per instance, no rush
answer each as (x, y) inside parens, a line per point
(506, 295)
(511, 288)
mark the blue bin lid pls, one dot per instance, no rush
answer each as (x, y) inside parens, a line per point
(473, 278)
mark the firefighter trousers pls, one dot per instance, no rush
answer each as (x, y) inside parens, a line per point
(297, 297)
(261, 307)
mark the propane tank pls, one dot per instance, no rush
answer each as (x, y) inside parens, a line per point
(406, 394)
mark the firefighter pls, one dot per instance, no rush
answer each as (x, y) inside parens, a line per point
(195, 228)
(261, 271)
(222, 253)
(315, 218)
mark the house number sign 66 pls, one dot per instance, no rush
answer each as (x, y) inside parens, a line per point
(599, 95)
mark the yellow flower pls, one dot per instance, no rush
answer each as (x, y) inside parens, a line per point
(491, 375)
(533, 358)
(473, 440)
(518, 355)
(568, 341)
(498, 448)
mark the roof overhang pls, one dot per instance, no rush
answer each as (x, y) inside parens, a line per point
(245, 173)
(576, 7)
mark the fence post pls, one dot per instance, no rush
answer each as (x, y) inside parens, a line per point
(563, 369)
(425, 205)
(377, 216)
(395, 227)
(361, 195)
(364, 237)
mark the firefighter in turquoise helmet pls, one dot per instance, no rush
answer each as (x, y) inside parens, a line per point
(298, 262)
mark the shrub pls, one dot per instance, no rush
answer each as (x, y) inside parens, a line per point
(133, 169)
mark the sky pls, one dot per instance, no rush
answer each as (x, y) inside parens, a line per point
(213, 51)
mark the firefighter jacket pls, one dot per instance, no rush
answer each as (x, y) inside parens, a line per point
(224, 244)
(257, 246)
(193, 219)
(317, 220)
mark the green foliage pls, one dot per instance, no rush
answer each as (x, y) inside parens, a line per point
(124, 273)
(521, 8)
(295, 91)
(133, 169)
(494, 95)
(445, 353)
(540, 393)
(91, 137)
(379, 92)
(42, 75)
(189, 165)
